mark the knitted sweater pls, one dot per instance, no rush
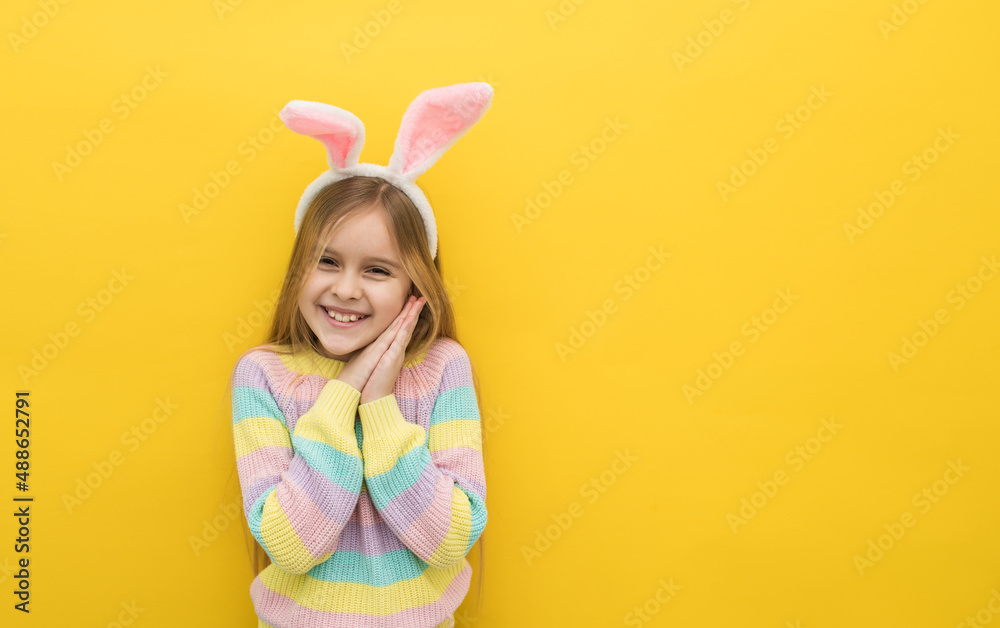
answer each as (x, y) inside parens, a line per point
(367, 511)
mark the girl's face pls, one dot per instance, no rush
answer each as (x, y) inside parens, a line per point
(360, 273)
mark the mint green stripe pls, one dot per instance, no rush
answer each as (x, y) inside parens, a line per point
(376, 571)
(404, 474)
(478, 511)
(250, 401)
(334, 464)
(457, 403)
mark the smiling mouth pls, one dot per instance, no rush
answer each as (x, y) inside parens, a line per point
(343, 319)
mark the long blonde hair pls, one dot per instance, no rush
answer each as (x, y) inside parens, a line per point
(329, 209)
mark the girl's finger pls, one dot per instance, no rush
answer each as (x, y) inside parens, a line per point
(401, 317)
(417, 308)
(378, 346)
(387, 337)
(406, 309)
(409, 322)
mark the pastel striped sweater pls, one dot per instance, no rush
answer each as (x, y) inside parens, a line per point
(367, 511)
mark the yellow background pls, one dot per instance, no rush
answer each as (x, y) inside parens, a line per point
(520, 289)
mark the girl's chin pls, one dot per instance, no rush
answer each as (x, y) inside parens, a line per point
(342, 353)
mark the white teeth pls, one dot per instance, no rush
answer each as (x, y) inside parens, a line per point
(342, 317)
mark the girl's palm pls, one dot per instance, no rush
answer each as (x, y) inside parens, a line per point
(361, 365)
(383, 377)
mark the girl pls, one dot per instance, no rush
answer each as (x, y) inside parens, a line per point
(357, 425)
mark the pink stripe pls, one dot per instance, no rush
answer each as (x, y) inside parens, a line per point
(263, 463)
(283, 612)
(366, 530)
(312, 526)
(430, 521)
(459, 460)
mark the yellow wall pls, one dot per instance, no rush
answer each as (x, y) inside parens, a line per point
(732, 336)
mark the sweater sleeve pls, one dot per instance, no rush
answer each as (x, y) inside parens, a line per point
(300, 487)
(431, 491)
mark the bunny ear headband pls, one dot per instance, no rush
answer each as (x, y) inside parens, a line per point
(431, 124)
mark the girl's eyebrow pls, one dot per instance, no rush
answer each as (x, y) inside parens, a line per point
(380, 260)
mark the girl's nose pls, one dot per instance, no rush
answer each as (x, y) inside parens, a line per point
(347, 286)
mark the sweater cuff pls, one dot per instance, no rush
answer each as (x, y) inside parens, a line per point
(338, 400)
(382, 419)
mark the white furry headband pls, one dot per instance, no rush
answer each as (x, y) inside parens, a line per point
(431, 124)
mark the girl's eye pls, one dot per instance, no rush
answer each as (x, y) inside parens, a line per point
(330, 262)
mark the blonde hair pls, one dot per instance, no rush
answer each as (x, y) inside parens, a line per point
(330, 208)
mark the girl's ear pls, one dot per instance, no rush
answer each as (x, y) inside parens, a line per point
(433, 122)
(340, 131)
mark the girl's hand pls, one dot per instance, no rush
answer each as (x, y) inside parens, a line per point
(360, 366)
(383, 378)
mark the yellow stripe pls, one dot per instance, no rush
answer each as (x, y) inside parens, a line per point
(318, 428)
(351, 597)
(255, 432)
(311, 364)
(281, 539)
(456, 433)
(379, 459)
(458, 531)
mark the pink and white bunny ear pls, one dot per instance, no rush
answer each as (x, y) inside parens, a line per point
(433, 122)
(340, 131)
